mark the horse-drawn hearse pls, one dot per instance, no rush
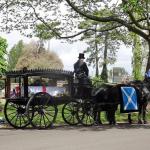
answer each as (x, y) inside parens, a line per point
(32, 97)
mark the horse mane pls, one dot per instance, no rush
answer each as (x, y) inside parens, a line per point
(136, 82)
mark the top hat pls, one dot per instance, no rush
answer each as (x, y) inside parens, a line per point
(81, 56)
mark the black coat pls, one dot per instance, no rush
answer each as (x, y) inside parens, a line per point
(81, 68)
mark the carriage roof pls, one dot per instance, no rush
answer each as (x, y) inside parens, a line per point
(50, 73)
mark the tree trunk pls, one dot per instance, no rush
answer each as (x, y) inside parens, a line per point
(148, 62)
(137, 57)
(97, 62)
(104, 74)
(96, 49)
(97, 70)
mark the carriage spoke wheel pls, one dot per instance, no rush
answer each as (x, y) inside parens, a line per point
(41, 112)
(85, 114)
(69, 113)
(15, 114)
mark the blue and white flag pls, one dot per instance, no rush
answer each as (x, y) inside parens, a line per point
(129, 97)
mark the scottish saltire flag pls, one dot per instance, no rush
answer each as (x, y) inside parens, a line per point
(129, 97)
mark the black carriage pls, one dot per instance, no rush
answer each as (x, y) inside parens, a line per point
(32, 97)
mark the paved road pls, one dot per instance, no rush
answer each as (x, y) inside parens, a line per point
(121, 137)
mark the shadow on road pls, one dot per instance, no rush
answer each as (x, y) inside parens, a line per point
(104, 127)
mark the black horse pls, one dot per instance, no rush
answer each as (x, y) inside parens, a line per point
(108, 99)
(144, 88)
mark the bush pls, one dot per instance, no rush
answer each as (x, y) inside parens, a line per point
(97, 81)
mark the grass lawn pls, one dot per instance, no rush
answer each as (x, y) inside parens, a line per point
(1, 110)
(120, 117)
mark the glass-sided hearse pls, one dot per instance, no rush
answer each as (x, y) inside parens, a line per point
(32, 96)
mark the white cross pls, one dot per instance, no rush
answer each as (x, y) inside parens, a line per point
(129, 97)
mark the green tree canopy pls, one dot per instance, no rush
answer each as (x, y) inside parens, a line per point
(41, 31)
(15, 54)
(3, 52)
(26, 14)
(102, 46)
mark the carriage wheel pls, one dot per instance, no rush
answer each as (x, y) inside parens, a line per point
(43, 110)
(15, 114)
(85, 114)
(69, 113)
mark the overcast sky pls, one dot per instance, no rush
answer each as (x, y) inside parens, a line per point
(69, 52)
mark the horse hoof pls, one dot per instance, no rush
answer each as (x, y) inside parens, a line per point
(96, 123)
(140, 122)
(112, 123)
(130, 122)
(100, 123)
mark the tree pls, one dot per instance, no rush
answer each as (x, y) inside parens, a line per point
(15, 54)
(102, 46)
(3, 52)
(93, 41)
(145, 50)
(33, 57)
(102, 51)
(137, 57)
(104, 74)
(42, 32)
(123, 14)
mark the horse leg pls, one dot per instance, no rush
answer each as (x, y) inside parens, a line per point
(99, 118)
(112, 119)
(111, 116)
(129, 118)
(144, 113)
(108, 114)
(139, 114)
(97, 115)
(139, 118)
(115, 107)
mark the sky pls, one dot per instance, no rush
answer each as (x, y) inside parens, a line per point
(68, 53)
